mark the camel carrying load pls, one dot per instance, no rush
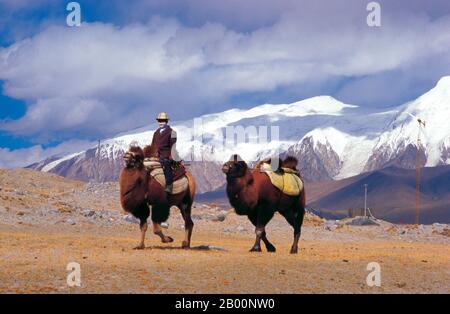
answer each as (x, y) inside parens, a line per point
(139, 191)
(154, 168)
(251, 193)
(286, 180)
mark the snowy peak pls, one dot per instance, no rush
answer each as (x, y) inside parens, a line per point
(434, 104)
(294, 121)
(434, 108)
(316, 105)
(398, 143)
(331, 139)
(443, 83)
(325, 105)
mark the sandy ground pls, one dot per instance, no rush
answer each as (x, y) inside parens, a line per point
(47, 222)
(34, 260)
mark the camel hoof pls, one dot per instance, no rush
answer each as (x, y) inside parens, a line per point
(271, 249)
(185, 245)
(255, 249)
(167, 240)
(139, 247)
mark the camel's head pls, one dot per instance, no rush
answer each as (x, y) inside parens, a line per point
(134, 158)
(235, 167)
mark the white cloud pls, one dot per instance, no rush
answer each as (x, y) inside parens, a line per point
(102, 79)
(27, 156)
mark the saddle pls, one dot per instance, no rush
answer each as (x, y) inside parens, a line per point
(155, 169)
(285, 179)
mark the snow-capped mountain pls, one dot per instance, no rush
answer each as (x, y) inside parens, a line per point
(332, 140)
(397, 145)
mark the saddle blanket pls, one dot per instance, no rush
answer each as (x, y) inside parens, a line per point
(288, 182)
(179, 185)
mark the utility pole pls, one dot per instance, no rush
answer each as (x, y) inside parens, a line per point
(365, 200)
(418, 180)
(421, 124)
(97, 174)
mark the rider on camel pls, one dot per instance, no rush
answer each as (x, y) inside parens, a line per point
(164, 138)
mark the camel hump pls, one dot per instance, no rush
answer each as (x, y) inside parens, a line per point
(180, 184)
(288, 181)
(136, 150)
(274, 162)
(289, 162)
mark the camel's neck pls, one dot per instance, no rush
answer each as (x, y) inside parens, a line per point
(242, 193)
(131, 180)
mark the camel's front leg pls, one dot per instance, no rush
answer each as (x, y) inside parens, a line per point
(143, 227)
(259, 233)
(262, 217)
(158, 231)
(269, 246)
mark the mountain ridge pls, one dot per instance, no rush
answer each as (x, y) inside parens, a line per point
(331, 139)
(391, 195)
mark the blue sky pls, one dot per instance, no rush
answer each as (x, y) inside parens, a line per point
(64, 87)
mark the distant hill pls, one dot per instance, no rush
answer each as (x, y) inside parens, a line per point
(218, 197)
(391, 195)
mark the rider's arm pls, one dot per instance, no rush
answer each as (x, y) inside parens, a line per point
(173, 138)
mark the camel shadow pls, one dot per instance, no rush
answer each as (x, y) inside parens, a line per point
(206, 248)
